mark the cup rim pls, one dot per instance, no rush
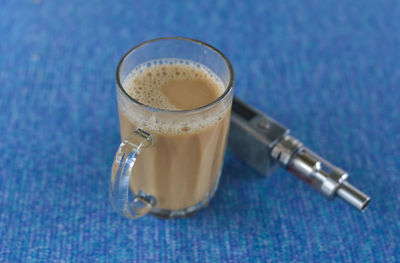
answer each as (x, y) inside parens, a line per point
(220, 98)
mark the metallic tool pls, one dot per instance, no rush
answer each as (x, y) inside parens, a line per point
(266, 145)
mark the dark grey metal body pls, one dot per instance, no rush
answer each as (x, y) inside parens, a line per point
(252, 137)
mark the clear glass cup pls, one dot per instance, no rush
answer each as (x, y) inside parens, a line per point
(157, 172)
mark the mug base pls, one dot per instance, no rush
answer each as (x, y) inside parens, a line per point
(186, 212)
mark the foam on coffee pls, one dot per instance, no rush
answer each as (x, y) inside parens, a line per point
(146, 83)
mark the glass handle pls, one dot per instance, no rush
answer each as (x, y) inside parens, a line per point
(125, 202)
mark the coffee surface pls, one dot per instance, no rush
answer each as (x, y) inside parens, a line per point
(176, 86)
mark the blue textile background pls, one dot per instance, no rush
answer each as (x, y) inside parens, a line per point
(329, 70)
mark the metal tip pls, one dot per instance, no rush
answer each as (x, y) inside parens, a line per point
(353, 196)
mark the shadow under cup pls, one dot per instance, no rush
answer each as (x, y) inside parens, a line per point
(156, 169)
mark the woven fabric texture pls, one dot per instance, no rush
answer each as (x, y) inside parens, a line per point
(328, 70)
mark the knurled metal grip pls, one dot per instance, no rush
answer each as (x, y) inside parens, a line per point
(284, 149)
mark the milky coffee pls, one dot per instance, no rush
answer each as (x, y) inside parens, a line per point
(182, 167)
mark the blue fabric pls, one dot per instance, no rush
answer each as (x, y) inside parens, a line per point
(329, 70)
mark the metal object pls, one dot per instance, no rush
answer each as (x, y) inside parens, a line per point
(266, 145)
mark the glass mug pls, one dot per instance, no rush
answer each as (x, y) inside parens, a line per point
(170, 161)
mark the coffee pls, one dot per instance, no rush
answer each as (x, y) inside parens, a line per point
(182, 167)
